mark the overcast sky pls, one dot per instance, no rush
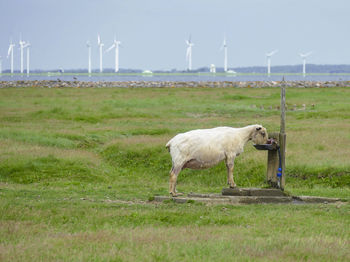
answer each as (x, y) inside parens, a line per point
(153, 32)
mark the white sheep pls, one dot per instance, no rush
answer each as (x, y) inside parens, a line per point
(204, 148)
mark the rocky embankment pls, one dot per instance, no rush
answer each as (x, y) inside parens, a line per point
(141, 84)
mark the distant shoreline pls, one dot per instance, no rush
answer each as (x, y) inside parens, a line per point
(169, 84)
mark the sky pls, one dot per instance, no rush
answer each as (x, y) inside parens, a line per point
(153, 32)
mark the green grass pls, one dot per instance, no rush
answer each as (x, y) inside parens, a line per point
(77, 168)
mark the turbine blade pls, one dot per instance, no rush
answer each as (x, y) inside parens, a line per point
(98, 39)
(305, 55)
(10, 50)
(309, 53)
(109, 49)
(272, 53)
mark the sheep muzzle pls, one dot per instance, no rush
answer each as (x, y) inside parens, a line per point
(260, 136)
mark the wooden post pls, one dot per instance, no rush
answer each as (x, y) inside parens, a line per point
(272, 162)
(282, 135)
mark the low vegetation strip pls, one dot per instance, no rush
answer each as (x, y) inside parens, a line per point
(78, 166)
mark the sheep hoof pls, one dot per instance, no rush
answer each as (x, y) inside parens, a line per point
(233, 186)
(176, 194)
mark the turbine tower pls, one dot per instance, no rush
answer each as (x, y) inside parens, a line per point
(89, 56)
(27, 45)
(189, 53)
(10, 52)
(100, 44)
(21, 47)
(268, 56)
(115, 45)
(224, 46)
(304, 56)
(0, 65)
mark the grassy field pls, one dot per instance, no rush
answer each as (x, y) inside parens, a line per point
(78, 166)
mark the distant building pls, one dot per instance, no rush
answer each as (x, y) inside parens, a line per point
(232, 72)
(212, 68)
(147, 72)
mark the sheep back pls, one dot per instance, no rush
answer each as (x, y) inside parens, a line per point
(206, 146)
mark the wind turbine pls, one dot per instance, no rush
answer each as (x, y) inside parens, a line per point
(89, 54)
(27, 45)
(224, 46)
(268, 56)
(100, 44)
(115, 45)
(0, 65)
(21, 47)
(10, 52)
(189, 53)
(304, 56)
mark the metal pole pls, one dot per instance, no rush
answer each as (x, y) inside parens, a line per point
(283, 133)
(28, 60)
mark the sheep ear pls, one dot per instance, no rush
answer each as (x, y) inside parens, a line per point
(258, 128)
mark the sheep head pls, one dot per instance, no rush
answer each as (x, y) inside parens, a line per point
(259, 135)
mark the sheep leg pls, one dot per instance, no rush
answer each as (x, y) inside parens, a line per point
(172, 180)
(229, 166)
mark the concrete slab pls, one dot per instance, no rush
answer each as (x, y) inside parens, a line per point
(182, 200)
(250, 199)
(252, 192)
(316, 199)
(227, 199)
(205, 195)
